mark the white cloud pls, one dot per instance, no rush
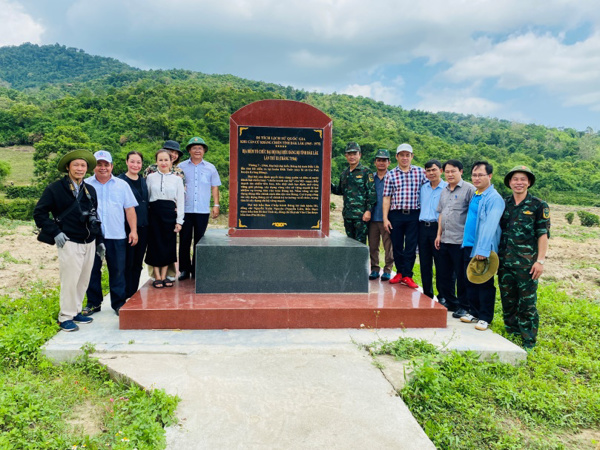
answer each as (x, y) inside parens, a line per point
(463, 101)
(17, 26)
(376, 90)
(528, 60)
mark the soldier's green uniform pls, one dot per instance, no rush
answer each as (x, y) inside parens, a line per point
(521, 225)
(358, 189)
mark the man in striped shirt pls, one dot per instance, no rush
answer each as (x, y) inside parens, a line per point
(401, 208)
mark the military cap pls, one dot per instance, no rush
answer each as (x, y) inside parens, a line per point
(479, 271)
(86, 155)
(196, 141)
(352, 147)
(382, 154)
(526, 170)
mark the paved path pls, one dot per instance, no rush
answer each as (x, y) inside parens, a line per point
(291, 389)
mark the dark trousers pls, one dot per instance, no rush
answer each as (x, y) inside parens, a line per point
(405, 235)
(480, 297)
(451, 280)
(193, 225)
(115, 262)
(428, 255)
(356, 229)
(134, 258)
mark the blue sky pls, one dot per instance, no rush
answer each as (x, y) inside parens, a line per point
(527, 61)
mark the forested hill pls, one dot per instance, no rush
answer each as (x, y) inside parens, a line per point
(127, 110)
(34, 66)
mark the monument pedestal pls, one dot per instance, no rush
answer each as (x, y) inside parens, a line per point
(384, 306)
(280, 265)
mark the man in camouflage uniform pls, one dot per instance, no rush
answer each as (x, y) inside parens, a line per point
(358, 188)
(525, 229)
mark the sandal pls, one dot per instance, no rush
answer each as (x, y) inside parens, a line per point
(167, 282)
(158, 284)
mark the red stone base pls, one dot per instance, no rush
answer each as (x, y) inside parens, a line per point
(179, 307)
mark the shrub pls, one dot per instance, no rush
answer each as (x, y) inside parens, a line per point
(588, 219)
(570, 216)
(33, 192)
(4, 169)
(19, 209)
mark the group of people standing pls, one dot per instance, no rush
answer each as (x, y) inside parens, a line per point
(465, 230)
(127, 220)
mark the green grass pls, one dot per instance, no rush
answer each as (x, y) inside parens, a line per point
(464, 403)
(39, 401)
(21, 163)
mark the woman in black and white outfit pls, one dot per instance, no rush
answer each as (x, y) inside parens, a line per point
(166, 213)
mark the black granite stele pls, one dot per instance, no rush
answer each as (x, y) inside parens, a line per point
(280, 265)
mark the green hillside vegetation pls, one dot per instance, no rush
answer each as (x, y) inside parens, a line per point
(140, 109)
(32, 66)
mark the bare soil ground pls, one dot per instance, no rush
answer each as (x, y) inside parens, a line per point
(573, 260)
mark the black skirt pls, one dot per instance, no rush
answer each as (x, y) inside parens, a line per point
(162, 239)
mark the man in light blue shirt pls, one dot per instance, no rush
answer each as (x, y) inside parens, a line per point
(202, 181)
(482, 236)
(116, 203)
(428, 226)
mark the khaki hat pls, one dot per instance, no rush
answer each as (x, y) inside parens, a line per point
(526, 170)
(86, 155)
(479, 271)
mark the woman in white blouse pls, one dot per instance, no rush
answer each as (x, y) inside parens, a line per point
(166, 210)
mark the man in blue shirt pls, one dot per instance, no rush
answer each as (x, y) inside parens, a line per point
(377, 231)
(428, 226)
(116, 203)
(202, 181)
(482, 236)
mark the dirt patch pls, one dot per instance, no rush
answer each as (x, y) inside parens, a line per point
(23, 259)
(85, 418)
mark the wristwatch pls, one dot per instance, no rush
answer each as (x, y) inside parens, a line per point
(541, 261)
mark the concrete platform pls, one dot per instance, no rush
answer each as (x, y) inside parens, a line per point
(288, 389)
(179, 307)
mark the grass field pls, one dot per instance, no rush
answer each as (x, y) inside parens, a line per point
(21, 163)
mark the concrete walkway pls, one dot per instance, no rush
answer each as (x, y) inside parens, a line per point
(273, 388)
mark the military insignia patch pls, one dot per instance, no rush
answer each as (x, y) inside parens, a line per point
(529, 213)
(359, 177)
(546, 213)
(371, 177)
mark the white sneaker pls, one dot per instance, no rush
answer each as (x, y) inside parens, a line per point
(482, 325)
(468, 318)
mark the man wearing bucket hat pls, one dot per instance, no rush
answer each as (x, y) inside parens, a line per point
(525, 229)
(75, 229)
(481, 238)
(377, 232)
(203, 181)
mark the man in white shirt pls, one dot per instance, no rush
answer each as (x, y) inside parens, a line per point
(116, 203)
(202, 181)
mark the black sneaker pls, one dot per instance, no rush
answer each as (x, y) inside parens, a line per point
(80, 318)
(68, 325)
(459, 313)
(89, 310)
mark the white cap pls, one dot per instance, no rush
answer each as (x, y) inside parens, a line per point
(404, 148)
(103, 155)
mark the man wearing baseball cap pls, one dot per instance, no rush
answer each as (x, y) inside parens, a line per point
(75, 230)
(525, 227)
(401, 208)
(116, 203)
